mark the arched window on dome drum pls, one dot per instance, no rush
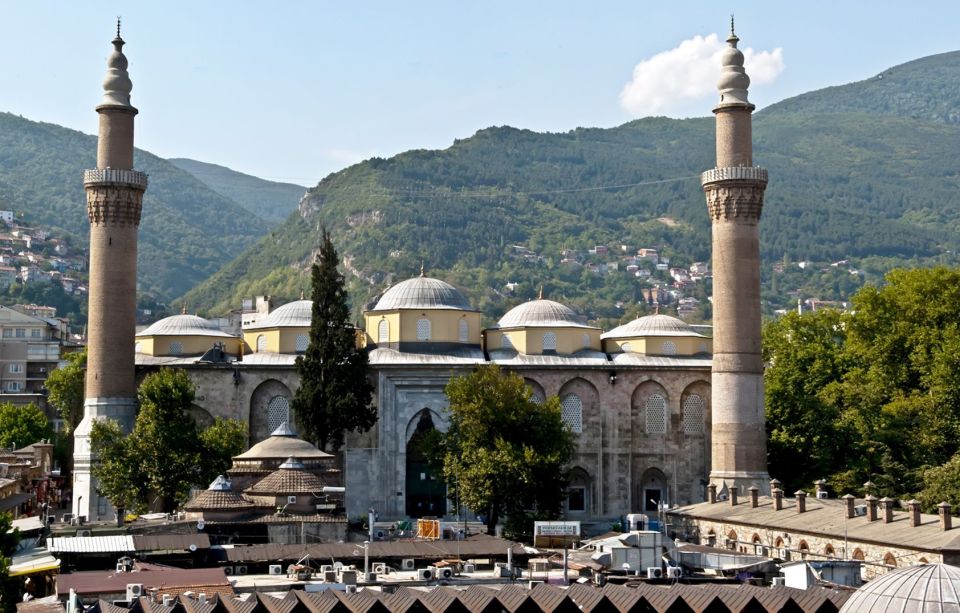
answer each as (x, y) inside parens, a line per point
(669, 348)
(505, 342)
(137, 348)
(626, 348)
(383, 331)
(278, 412)
(571, 409)
(464, 331)
(302, 341)
(656, 414)
(585, 339)
(262, 345)
(549, 341)
(423, 329)
(693, 414)
(176, 348)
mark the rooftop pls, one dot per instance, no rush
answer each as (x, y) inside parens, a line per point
(422, 293)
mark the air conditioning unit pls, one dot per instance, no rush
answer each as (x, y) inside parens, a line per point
(654, 572)
(121, 567)
(241, 570)
(369, 577)
(380, 568)
(674, 572)
(167, 600)
(407, 564)
(822, 495)
(469, 568)
(291, 500)
(426, 574)
(134, 591)
(350, 589)
(779, 581)
(445, 573)
(330, 576)
(325, 567)
(379, 534)
(860, 510)
(83, 533)
(228, 570)
(67, 518)
(276, 569)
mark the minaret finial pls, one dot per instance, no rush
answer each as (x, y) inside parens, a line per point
(116, 84)
(421, 268)
(540, 297)
(732, 32)
(118, 26)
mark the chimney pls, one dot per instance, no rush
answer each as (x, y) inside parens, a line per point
(777, 499)
(712, 493)
(945, 519)
(754, 496)
(801, 501)
(871, 507)
(886, 505)
(733, 495)
(821, 485)
(868, 487)
(914, 507)
(850, 500)
(774, 484)
(202, 598)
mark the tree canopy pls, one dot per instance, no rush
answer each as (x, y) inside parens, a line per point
(66, 391)
(504, 453)
(22, 425)
(872, 394)
(334, 396)
(165, 454)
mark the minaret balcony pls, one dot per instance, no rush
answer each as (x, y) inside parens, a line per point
(115, 177)
(734, 173)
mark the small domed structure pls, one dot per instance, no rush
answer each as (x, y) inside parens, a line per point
(291, 487)
(538, 314)
(657, 334)
(930, 588)
(422, 293)
(184, 335)
(217, 502)
(541, 327)
(269, 454)
(286, 330)
(296, 314)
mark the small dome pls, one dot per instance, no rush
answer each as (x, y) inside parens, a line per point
(184, 325)
(287, 482)
(422, 293)
(218, 497)
(281, 447)
(927, 587)
(653, 325)
(296, 314)
(540, 314)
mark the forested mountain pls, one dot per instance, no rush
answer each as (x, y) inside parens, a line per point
(864, 178)
(188, 231)
(268, 200)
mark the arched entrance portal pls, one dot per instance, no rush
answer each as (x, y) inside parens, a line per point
(426, 491)
(650, 492)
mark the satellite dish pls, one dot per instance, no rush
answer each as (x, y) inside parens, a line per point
(200, 525)
(192, 547)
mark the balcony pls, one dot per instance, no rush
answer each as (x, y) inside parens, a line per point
(110, 176)
(735, 173)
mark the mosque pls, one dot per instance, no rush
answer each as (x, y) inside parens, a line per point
(659, 410)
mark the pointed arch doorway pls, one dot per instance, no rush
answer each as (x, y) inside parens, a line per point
(425, 488)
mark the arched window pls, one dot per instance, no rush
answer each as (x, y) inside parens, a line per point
(828, 550)
(423, 329)
(755, 539)
(137, 348)
(383, 331)
(858, 554)
(656, 411)
(889, 559)
(626, 348)
(669, 348)
(464, 331)
(804, 550)
(549, 341)
(923, 560)
(505, 342)
(176, 347)
(302, 341)
(572, 412)
(693, 414)
(261, 343)
(536, 397)
(278, 412)
(585, 340)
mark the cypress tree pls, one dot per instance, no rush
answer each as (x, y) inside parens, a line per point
(334, 394)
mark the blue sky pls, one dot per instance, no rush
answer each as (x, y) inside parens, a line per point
(293, 91)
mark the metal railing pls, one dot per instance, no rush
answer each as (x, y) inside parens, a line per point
(751, 173)
(110, 175)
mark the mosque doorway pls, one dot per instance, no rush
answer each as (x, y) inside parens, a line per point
(426, 491)
(650, 492)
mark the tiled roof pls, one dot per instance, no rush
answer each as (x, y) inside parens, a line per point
(217, 500)
(287, 481)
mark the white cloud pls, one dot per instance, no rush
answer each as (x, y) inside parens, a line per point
(666, 83)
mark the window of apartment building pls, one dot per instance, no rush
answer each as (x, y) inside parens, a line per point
(35, 333)
(21, 332)
(7, 333)
(14, 386)
(16, 368)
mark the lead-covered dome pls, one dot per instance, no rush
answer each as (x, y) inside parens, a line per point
(927, 587)
(653, 325)
(296, 314)
(422, 293)
(540, 314)
(184, 325)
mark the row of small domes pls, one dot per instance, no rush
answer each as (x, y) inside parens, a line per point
(428, 293)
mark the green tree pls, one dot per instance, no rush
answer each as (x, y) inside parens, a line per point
(504, 453)
(66, 391)
(165, 454)
(334, 393)
(22, 425)
(941, 483)
(9, 588)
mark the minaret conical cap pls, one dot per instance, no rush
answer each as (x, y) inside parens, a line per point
(733, 81)
(117, 84)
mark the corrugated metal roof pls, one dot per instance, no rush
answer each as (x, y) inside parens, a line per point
(170, 542)
(465, 356)
(477, 548)
(90, 544)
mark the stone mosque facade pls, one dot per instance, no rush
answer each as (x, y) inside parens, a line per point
(637, 397)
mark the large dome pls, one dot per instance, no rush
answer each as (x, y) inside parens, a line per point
(540, 314)
(283, 443)
(929, 588)
(422, 293)
(653, 325)
(184, 325)
(296, 314)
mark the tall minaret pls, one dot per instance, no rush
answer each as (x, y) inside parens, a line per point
(114, 198)
(734, 191)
